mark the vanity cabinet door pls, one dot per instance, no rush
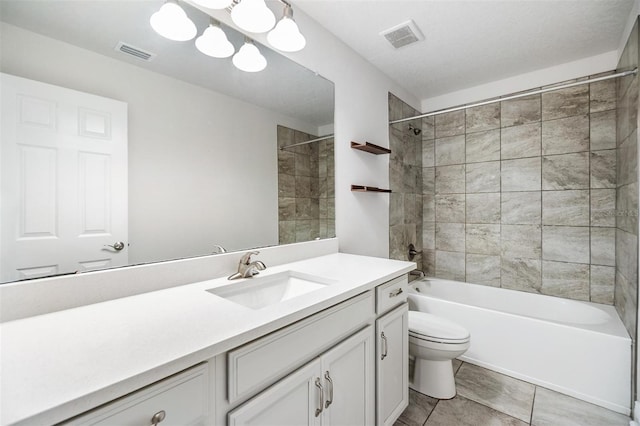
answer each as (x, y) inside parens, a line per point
(335, 389)
(293, 401)
(392, 365)
(349, 381)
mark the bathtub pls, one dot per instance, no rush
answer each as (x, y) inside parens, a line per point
(580, 349)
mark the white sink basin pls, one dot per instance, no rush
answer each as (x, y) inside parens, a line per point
(263, 291)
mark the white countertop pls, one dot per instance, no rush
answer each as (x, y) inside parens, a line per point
(58, 365)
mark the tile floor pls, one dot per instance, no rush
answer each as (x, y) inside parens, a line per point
(489, 398)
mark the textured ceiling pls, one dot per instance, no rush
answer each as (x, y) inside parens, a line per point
(468, 43)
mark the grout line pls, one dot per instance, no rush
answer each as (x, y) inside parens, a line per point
(533, 404)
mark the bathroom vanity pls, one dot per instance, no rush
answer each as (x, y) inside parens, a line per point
(201, 354)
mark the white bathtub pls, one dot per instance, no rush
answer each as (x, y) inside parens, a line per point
(581, 349)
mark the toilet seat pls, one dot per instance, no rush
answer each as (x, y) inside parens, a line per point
(432, 328)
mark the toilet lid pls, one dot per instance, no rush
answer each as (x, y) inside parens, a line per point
(429, 326)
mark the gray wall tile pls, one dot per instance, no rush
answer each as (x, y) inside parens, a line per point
(568, 280)
(603, 207)
(450, 265)
(566, 171)
(520, 141)
(483, 177)
(520, 111)
(450, 179)
(565, 102)
(565, 208)
(521, 241)
(521, 175)
(483, 146)
(565, 244)
(428, 127)
(602, 133)
(603, 246)
(565, 135)
(483, 269)
(450, 150)
(627, 161)
(603, 280)
(450, 236)
(428, 152)
(429, 235)
(483, 239)
(482, 118)
(602, 96)
(450, 124)
(450, 208)
(483, 208)
(603, 169)
(428, 180)
(521, 208)
(429, 207)
(521, 274)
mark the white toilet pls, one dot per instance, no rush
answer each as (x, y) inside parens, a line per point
(434, 342)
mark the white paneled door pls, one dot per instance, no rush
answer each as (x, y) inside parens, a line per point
(63, 175)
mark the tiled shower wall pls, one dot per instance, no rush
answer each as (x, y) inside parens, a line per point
(405, 181)
(626, 289)
(306, 190)
(520, 194)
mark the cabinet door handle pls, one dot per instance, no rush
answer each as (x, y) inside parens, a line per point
(158, 417)
(384, 346)
(330, 398)
(321, 392)
(395, 293)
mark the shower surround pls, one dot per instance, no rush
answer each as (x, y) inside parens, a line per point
(519, 194)
(306, 189)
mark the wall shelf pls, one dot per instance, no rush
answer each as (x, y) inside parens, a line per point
(362, 188)
(370, 148)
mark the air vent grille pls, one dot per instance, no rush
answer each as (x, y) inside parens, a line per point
(403, 34)
(135, 51)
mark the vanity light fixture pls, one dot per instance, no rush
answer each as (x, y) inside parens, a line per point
(214, 4)
(249, 58)
(253, 16)
(172, 22)
(286, 35)
(213, 41)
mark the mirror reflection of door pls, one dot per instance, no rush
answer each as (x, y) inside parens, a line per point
(63, 175)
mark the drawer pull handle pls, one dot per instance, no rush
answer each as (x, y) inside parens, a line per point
(158, 417)
(395, 293)
(321, 392)
(384, 346)
(330, 399)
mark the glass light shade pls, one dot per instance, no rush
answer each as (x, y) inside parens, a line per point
(253, 16)
(213, 42)
(286, 36)
(173, 23)
(214, 4)
(249, 59)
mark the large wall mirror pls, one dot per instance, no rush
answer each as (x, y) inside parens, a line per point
(201, 165)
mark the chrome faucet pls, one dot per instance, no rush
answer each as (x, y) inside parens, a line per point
(246, 268)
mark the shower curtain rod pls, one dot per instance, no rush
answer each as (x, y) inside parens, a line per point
(519, 95)
(321, 138)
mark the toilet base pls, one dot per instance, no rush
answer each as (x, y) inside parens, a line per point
(433, 378)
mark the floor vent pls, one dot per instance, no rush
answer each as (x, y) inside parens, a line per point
(403, 34)
(135, 51)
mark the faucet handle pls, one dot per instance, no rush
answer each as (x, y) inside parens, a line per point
(246, 258)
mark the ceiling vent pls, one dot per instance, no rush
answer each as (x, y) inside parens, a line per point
(403, 34)
(134, 51)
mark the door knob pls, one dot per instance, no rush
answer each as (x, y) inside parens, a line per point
(117, 246)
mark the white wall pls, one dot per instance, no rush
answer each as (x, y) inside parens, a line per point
(198, 176)
(362, 219)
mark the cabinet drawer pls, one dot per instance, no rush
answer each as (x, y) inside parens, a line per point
(392, 293)
(183, 398)
(256, 365)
